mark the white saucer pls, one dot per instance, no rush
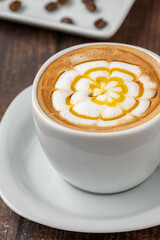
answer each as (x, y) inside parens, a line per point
(31, 187)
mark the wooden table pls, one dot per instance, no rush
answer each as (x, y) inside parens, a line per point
(23, 49)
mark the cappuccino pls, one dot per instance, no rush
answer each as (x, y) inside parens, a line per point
(101, 88)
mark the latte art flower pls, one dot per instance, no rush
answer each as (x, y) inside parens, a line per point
(102, 93)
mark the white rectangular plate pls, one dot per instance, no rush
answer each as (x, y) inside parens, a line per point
(33, 12)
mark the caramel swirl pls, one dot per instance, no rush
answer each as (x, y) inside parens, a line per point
(106, 94)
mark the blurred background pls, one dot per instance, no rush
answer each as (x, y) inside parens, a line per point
(23, 49)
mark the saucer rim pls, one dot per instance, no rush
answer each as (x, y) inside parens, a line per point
(139, 221)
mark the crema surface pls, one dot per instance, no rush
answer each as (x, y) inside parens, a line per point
(101, 88)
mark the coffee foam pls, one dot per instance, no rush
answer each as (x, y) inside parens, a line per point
(101, 88)
(103, 93)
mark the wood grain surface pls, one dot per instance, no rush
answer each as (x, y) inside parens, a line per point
(23, 49)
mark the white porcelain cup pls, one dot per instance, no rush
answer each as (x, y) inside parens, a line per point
(98, 162)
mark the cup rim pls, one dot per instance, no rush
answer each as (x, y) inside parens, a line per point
(55, 125)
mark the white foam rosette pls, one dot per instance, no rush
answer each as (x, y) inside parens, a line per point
(101, 92)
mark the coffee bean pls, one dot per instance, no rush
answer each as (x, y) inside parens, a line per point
(15, 5)
(51, 6)
(91, 6)
(100, 23)
(62, 1)
(67, 20)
